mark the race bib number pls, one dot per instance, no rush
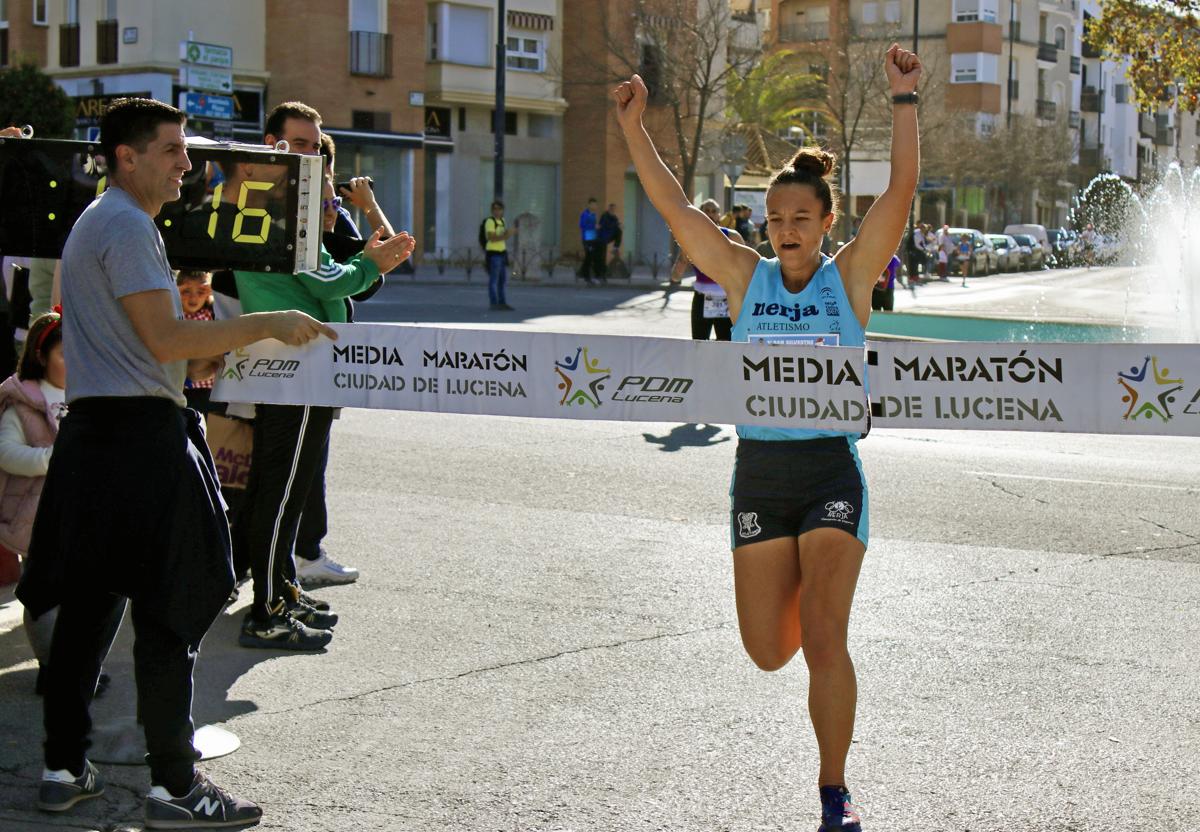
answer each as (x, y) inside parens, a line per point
(716, 307)
(830, 339)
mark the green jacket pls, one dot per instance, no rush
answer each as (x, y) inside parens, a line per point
(321, 293)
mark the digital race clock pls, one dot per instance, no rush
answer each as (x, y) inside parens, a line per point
(241, 207)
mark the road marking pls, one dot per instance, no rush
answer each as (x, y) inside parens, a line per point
(1083, 482)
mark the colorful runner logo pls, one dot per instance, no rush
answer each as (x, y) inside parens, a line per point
(581, 378)
(235, 371)
(1149, 391)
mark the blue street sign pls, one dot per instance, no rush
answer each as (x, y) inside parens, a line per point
(93, 134)
(203, 105)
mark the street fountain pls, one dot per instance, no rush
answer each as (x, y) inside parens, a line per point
(1158, 236)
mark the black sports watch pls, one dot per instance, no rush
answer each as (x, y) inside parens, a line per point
(906, 98)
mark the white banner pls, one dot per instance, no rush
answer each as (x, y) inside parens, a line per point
(550, 375)
(1079, 388)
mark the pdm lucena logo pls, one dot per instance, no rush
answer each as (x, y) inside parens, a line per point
(581, 378)
(1149, 391)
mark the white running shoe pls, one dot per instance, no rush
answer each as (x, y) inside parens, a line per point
(324, 571)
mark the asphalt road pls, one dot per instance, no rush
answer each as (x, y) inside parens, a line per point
(544, 636)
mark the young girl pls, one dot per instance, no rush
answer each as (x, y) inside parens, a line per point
(32, 403)
(195, 294)
(799, 496)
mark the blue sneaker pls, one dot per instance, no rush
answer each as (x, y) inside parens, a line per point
(204, 807)
(60, 790)
(837, 815)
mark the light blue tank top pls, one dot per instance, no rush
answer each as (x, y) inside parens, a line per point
(820, 314)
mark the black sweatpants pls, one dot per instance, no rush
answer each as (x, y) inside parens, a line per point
(702, 327)
(163, 664)
(289, 441)
(314, 522)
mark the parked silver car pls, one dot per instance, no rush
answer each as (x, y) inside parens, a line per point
(1034, 256)
(982, 259)
(1008, 252)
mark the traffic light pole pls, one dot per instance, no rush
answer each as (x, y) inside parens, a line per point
(499, 120)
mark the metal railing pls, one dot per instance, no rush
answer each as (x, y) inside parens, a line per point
(106, 41)
(68, 44)
(875, 31)
(1092, 158)
(1047, 52)
(371, 54)
(1165, 137)
(1091, 101)
(1047, 110)
(803, 32)
(1089, 51)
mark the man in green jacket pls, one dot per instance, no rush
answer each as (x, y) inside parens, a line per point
(289, 439)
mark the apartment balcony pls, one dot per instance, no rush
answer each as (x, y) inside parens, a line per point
(1165, 137)
(1076, 65)
(803, 32)
(974, 36)
(1091, 101)
(973, 98)
(68, 44)
(1147, 126)
(1090, 51)
(875, 31)
(1047, 52)
(1073, 119)
(1047, 110)
(106, 41)
(371, 54)
(1092, 160)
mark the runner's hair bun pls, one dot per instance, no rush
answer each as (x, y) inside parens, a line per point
(813, 161)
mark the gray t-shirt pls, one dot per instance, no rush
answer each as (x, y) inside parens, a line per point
(114, 250)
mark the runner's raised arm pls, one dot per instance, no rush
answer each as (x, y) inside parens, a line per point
(730, 264)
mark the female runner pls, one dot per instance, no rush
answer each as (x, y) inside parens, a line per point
(799, 498)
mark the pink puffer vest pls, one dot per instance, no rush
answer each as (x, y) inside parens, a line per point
(19, 495)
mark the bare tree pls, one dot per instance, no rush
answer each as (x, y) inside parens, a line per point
(689, 54)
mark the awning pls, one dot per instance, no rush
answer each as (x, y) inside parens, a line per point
(396, 139)
(529, 20)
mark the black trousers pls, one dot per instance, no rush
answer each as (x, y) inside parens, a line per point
(163, 664)
(314, 522)
(289, 442)
(702, 327)
(593, 260)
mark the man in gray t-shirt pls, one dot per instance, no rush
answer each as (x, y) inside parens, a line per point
(131, 507)
(114, 251)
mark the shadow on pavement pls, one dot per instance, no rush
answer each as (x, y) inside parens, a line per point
(220, 664)
(687, 436)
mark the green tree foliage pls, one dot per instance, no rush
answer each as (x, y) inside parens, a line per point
(775, 95)
(1161, 38)
(29, 96)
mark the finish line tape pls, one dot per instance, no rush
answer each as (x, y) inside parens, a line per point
(1148, 389)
